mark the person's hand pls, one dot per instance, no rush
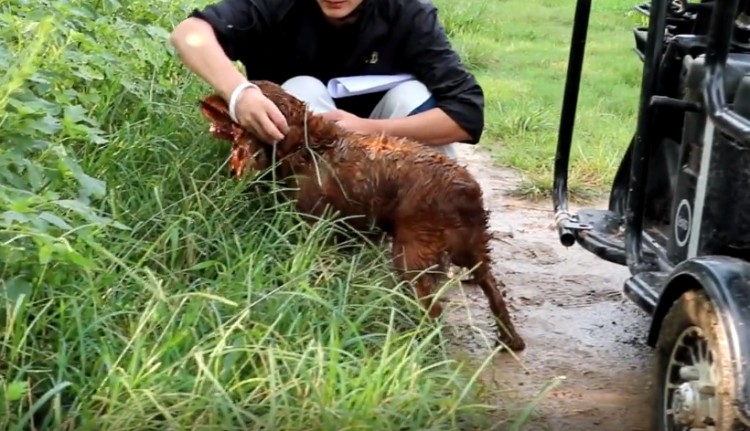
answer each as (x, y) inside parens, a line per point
(348, 121)
(256, 113)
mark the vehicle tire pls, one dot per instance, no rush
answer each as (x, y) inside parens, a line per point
(700, 390)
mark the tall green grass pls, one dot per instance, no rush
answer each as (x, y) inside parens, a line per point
(142, 289)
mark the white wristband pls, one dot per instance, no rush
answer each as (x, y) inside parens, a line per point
(236, 95)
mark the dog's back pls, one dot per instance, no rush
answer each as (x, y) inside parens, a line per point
(383, 178)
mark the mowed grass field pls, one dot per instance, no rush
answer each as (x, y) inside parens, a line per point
(139, 289)
(519, 52)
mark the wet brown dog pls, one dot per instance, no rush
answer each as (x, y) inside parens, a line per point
(425, 201)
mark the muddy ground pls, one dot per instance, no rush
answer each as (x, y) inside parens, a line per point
(569, 306)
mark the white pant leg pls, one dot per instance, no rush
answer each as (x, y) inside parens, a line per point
(401, 100)
(311, 91)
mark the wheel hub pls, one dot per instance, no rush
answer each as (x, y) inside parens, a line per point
(693, 403)
(685, 404)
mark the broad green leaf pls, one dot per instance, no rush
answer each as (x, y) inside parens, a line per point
(33, 174)
(91, 186)
(54, 220)
(14, 288)
(47, 125)
(78, 259)
(12, 216)
(88, 73)
(15, 390)
(76, 114)
(45, 254)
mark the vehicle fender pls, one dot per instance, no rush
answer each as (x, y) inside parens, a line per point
(726, 282)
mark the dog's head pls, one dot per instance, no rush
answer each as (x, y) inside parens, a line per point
(215, 109)
(251, 153)
(246, 155)
(292, 108)
(305, 128)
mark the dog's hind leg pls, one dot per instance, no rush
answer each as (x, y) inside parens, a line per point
(417, 259)
(474, 254)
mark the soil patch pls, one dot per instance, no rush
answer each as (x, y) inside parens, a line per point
(568, 304)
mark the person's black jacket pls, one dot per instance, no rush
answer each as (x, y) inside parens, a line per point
(279, 39)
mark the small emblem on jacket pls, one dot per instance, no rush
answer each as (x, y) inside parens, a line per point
(373, 58)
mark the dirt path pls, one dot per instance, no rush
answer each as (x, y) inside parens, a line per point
(569, 307)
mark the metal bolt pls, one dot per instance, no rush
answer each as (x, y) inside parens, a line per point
(689, 373)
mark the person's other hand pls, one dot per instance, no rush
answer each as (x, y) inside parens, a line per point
(256, 113)
(348, 121)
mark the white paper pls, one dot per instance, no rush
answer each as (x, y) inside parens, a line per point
(355, 85)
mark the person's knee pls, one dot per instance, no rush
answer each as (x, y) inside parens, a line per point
(448, 149)
(303, 85)
(310, 90)
(407, 98)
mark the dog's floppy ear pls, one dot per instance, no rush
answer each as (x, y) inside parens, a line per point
(215, 109)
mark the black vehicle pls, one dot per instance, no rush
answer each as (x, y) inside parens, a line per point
(679, 208)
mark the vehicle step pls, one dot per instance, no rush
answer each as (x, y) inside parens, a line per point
(645, 288)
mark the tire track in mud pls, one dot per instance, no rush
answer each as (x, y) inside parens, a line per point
(569, 306)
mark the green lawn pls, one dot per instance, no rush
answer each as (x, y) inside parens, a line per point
(141, 289)
(519, 51)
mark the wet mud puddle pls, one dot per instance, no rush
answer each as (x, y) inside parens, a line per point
(584, 338)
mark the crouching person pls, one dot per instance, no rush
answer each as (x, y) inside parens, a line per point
(302, 44)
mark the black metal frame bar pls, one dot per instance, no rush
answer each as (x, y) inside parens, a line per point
(634, 210)
(718, 112)
(717, 51)
(563, 219)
